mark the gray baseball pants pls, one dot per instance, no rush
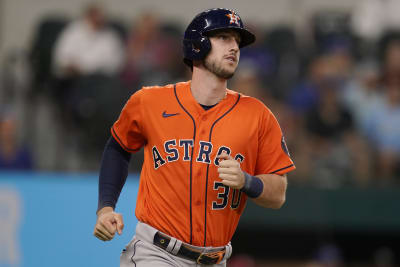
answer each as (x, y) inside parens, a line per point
(141, 252)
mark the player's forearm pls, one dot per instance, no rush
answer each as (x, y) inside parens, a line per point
(274, 191)
(113, 174)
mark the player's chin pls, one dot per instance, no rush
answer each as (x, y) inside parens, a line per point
(229, 75)
(228, 72)
(231, 65)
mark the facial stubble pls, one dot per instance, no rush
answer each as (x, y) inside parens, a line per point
(218, 69)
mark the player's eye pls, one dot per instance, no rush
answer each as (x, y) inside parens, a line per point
(238, 40)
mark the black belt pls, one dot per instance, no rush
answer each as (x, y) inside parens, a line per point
(209, 258)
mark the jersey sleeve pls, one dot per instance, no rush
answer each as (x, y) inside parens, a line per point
(273, 155)
(128, 129)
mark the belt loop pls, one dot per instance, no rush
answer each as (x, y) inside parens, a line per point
(178, 245)
(228, 251)
(171, 244)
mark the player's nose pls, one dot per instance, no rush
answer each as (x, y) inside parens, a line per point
(234, 45)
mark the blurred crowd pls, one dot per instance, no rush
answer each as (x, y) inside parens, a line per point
(335, 90)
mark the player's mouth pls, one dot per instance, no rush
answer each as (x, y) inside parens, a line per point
(231, 58)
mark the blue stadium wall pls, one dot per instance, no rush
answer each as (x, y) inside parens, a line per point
(47, 219)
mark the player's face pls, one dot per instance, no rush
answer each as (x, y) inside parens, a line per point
(224, 56)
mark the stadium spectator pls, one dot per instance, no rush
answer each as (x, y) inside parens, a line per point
(380, 105)
(332, 66)
(372, 18)
(327, 142)
(13, 155)
(87, 59)
(373, 97)
(361, 91)
(336, 149)
(88, 46)
(153, 53)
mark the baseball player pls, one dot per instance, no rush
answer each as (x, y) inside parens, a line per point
(207, 149)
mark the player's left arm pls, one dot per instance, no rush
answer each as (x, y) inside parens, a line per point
(266, 190)
(273, 194)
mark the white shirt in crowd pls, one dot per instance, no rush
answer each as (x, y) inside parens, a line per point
(371, 18)
(90, 51)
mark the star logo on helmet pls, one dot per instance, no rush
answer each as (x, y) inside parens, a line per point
(234, 18)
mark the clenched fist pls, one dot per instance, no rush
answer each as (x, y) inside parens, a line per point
(108, 222)
(230, 172)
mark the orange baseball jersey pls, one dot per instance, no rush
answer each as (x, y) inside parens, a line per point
(180, 192)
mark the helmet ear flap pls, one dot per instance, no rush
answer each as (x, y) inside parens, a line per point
(196, 49)
(200, 48)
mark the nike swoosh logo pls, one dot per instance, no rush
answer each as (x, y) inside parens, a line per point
(166, 115)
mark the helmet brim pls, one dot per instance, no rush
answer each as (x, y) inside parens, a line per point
(246, 36)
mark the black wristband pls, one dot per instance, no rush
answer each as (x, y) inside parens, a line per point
(253, 186)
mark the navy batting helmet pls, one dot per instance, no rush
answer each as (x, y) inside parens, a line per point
(196, 44)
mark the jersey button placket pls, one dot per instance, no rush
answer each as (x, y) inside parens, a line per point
(203, 125)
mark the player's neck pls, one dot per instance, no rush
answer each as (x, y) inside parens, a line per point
(207, 88)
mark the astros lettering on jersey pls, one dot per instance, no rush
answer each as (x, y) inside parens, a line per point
(180, 192)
